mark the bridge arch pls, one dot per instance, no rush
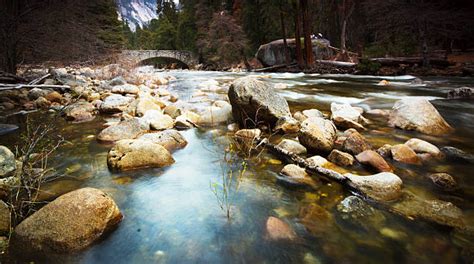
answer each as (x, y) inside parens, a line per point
(136, 56)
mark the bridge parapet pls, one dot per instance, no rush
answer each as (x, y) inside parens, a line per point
(136, 56)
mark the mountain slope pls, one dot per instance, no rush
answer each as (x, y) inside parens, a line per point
(137, 12)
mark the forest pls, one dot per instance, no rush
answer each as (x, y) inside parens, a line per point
(227, 32)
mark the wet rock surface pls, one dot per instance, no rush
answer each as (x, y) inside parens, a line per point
(297, 176)
(420, 115)
(256, 100)
(317, 134)
(127, 129)
(70, 223)
(130, 154)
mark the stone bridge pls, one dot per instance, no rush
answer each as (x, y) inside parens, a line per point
(136, 56)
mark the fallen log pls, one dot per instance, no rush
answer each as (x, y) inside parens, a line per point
(342, 64)
(40, 79)
(396, 61)
(407, 206)
(274, 67)
(30, 86)
(388, 185)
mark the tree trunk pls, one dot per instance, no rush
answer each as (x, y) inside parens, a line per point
(9, 38)
(283, 31)
(299, 53)
(307, 34)
(343, 36)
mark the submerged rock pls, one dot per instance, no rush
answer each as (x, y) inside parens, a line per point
(7, 128)
(461, 93)
(254, 102)
(341, 158)
(443, 181)
(317, 134)
(456, 154)
(170, 139)
(279, 230)
(384, 186)
(357, 212)
(7, 162)
(373, 159)
(436, 211)
(317, 220)
(127, 129)
(218, 112)
(420, 115)
(295, 175)
(292, 146)
(68, 224)
(129, 154)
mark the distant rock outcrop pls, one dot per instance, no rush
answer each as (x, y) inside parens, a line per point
(273, 53)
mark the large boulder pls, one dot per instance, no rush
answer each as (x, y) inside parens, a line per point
(68, 224)
(420, 115)
(126, 129)
(384, 186)
(274, 53)
(170, 139)
(256, 102)
(7, 162)
(80, 112)
(115, 103)
(317, 134)
(129, 154)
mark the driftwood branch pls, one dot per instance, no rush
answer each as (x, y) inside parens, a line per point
(40, 79)
(275, 67)
(341, 64)
(30, 86)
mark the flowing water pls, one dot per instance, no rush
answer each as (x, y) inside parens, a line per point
(172, 216)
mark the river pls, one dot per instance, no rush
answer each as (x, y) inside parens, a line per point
(172, 216)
